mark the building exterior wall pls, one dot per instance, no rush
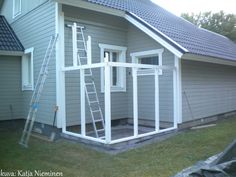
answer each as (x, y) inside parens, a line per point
(113, 30)
(34, 29)
(26, 7)
(102, 29)
(138, 41)
(207, 89)
(10, 88)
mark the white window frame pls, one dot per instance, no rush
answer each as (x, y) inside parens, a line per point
(14, 13)
(31, 86)
(136, 56)
(122, 71)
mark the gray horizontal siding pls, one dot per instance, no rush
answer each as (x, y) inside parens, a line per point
(26, 7)
(35, 30)
(101, 31)
(208, 89)
(10, 87)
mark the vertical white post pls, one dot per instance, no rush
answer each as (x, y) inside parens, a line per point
(179, 88)
(60, 75)
(107, 92)
(89, 51)
(82, 103)
(157, 113)
(135, 101)
(175, 97)
(74, 44)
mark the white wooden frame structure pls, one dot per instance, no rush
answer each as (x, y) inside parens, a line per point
(106, 66)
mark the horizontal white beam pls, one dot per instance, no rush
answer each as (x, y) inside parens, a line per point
(73, 68)
(118, 64)
(135, 65)
(84, 137)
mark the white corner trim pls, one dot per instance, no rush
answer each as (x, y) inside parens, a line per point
(179, 90)
(29, 50)
(155, 36)
(60, 76)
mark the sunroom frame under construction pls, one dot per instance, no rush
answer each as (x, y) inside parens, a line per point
(106, 66)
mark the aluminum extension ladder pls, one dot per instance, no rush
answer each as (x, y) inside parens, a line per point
(90, 87)
(34, 103)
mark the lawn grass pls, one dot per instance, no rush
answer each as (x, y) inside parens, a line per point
(161, 159)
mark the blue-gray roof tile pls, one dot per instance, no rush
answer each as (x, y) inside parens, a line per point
(195, 40)
(8, 39)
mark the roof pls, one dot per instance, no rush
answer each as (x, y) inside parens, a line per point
(8, 39)
(196, 40)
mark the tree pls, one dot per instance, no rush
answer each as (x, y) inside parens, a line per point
(224, 24)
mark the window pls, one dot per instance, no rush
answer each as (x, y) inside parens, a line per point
(113, 53)
(154, 60)
(27, 70)
(150, 57)
(16, 8)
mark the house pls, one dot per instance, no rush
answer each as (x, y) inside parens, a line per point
(152, 71)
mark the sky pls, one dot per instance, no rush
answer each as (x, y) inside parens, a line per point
(182, 6)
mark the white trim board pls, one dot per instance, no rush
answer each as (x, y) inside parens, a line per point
(207, 59)
(92, 6)
(154, 36)
(11, 53)
(60, 76)
(122, 71)
(25, 72)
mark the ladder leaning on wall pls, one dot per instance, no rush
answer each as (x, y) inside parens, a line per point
(34, 103)
(89, 84)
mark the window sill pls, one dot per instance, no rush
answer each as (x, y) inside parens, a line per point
(27, 88)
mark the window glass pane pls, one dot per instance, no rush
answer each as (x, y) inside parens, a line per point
(114, 56)
(149, 60)
(114, 76)
(114, 69)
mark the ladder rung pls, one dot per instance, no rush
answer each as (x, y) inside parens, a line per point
(89, 83)
(83, 57)
(91, 92)
(96, 110)
(91, 102)
(88, 75)
(98, 120)
(100, 130)
(80, 41)
(81, 49)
